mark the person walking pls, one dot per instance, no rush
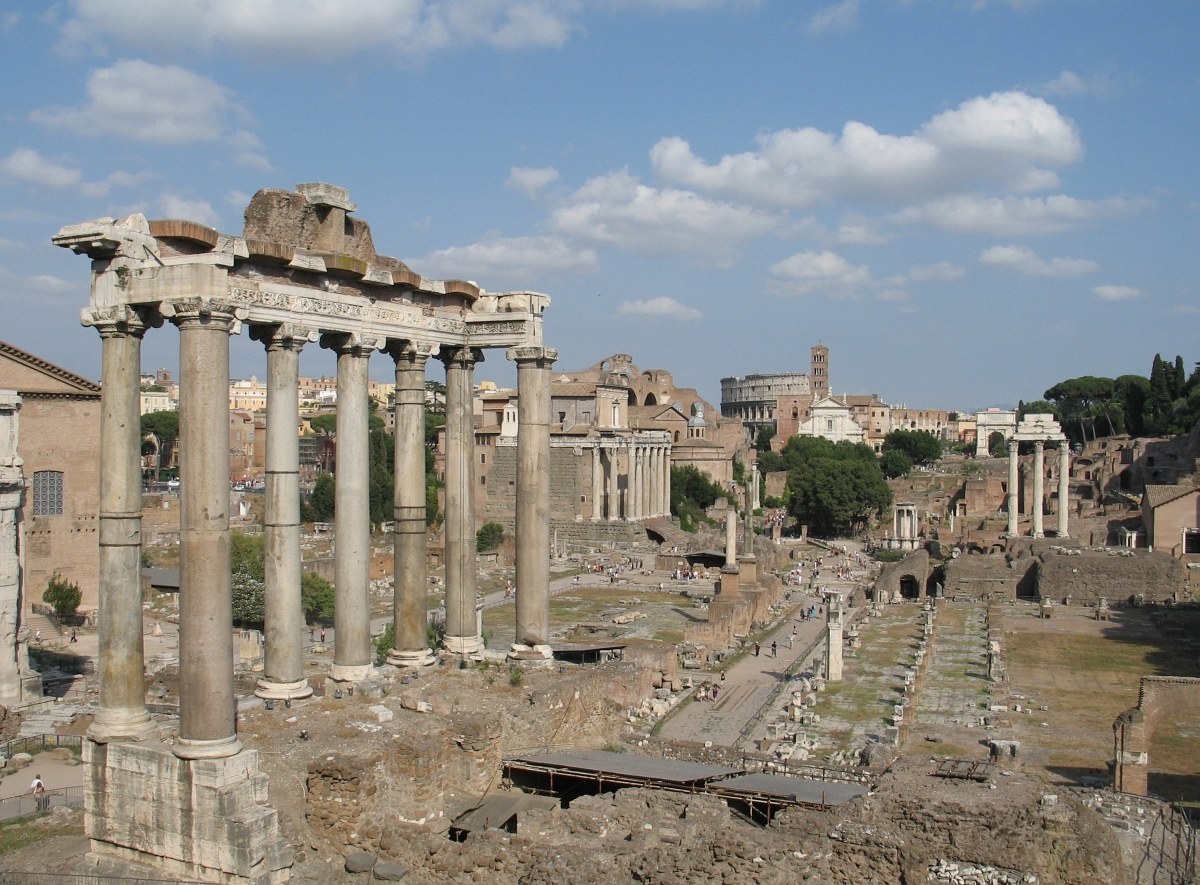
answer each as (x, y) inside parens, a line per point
(774, 649)
(38, 789)
(756, 649)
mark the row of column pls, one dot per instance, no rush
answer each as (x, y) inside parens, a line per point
(1039, 493)
(207, 705)
(648, 482)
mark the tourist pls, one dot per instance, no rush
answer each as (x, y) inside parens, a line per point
(74, 638)
(774, 649)
(38, 788)
(756, 649)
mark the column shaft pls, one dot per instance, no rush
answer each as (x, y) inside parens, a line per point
(462, 631)
(533, 493)
(1064, 486)
(353, 656)
(597, 473)
(207, 707)
(1039, 484)
(635, 481)
(410, 573)
(1013, 481)
(283, 612)
(122, 713)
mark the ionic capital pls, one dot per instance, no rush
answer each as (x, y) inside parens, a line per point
(357, 344)
(284, 336)
(118, 320)
(193, 313)
(537, 357)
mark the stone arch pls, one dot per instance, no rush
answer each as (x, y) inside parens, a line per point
(632, 397)
(1158, 697)
(651, 400)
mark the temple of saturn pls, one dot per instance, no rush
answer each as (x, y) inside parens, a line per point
(303, 271)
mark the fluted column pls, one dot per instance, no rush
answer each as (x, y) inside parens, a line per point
(1014, 481)
(283, 612)
(207, 707)
(353, 656)
(597, 473)
(1064, 486)
(462, 630)
(408, 553)
(533, 493)
(122, 713)
(1039, 469)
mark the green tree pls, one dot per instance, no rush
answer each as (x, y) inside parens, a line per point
(919, 446)
(894, 463)
(835, 496)
(489, 536)
(247, 554)
(322, 498)
(385, 642)
(248, 600)
(62, 595)
(997, 446)
(316, 598)
(1080, 402)
(325, 424)
(165, 427)
(762, 440)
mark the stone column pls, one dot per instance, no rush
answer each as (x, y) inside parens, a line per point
(635, 481)
(207, 707)
(731, 536)
(1064, 486)
(833, 637)
(653, 482)
(1039, 482)
(122, 713)
(666, 481)
(353, 656)
(533, 493)
(283, 614)
(14, 650)
(646, 482)
(408, 552)
(1014, 481)
(597, 473)
(462, 629)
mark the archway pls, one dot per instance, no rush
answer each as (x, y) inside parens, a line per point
(651, 400)
(910, 587)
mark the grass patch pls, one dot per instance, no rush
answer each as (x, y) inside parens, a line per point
(25, 831)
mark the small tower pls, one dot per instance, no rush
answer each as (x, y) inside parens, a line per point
(818, 371)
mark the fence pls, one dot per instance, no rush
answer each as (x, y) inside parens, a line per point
(40, 743)
(30, 803)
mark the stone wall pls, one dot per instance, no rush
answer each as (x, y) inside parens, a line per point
(1115, 575)
(979, 576)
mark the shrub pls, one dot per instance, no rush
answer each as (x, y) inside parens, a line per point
(62, 595)
(489, 537)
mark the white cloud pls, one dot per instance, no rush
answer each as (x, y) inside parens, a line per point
(661, 307)
(531, 181)
(807, 272)
(321, 29)
(1007, 138)
(1071, 83)
(839, 17)
(1016, 216)
(893, 295)
(1025, 260)
(1116, 293)
(25, 164)
(941, 271)
(116, 179)
(146, 102)
(857, 234)
(175, 206)
(517, 259)
(49, 285)
(617, 210)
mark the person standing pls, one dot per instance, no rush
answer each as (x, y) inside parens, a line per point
(38, 789)
(774, 649)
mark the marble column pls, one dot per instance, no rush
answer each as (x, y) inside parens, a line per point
(462, 628)
(410, 575)
(207, 706)
(1064, 486)
(647, 482)
(634, 484)
(1039, 482)
(283, 612)
(613, 484)
(122, 713)
(666, 481)
(652, 482)
(353, 655)
(14, 649)
(597, 473)
(533, 493)
(1014, 480)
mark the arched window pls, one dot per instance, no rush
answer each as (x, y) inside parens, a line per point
(48, 493)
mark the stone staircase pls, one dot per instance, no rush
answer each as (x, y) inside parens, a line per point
(50, 632)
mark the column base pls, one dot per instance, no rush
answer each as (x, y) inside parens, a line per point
(116, 724)
(283, 691)
(420, 658)
(463, 645)
(530, 653)
(350, 672)
(220, 748)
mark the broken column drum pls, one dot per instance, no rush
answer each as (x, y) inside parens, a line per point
(303, 270)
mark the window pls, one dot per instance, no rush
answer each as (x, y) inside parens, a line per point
(48, 493)
(829, 424)
(482, 457)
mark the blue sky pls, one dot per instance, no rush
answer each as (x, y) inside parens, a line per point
(966, 200)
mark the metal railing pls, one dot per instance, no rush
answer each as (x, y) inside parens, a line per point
(40, 743)
(39, 803)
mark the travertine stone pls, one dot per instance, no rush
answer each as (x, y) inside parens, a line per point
(462, 630)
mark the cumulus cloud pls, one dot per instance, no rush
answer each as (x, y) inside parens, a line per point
(26, 164)
(531, 181)
(1116, 293)
(146, 102)
(175, 206)
(514, 259)
(617, 210)
(941, 271)
(807, 272)
(857, 234)
(662, 307)
(1009, 139)
(1016, 216)
(118, 179)
(838, 17)
(1025, 260)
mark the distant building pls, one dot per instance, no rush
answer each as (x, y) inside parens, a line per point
(755, 399)
(832, 420)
